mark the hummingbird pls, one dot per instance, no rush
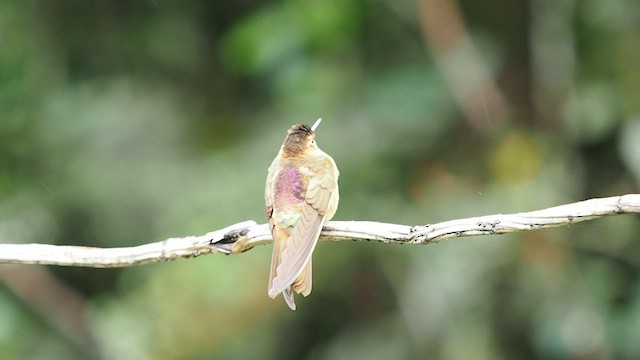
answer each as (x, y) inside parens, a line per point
(301, 195)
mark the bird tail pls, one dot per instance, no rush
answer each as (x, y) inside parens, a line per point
(303, 283)
(287, 294)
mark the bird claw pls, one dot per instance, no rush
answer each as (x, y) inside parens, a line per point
(224, 239)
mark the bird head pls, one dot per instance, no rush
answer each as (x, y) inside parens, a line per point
(300, 140)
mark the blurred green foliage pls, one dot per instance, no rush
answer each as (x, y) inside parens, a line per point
(127, 122)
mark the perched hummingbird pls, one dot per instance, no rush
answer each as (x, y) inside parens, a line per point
(301, 195)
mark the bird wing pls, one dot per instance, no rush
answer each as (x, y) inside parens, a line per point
(268, 189)
(269, 197)
(296, 251)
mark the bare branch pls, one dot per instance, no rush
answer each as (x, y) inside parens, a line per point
(243, 236)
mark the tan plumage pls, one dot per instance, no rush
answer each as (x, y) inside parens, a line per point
(301, 195)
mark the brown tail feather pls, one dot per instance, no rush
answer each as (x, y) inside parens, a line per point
(303, 283)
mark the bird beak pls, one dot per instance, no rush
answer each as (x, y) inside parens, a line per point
(316, 124)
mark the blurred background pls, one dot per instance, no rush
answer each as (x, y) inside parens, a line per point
(127, 122)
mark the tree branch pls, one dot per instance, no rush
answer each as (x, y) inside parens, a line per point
(243, 236)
